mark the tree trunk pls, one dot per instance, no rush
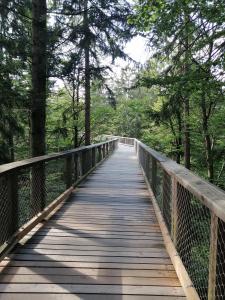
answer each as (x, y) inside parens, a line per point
(11, 148)
(207, 138)
(87, 77)
(75, 104)
(179, 139)
(187, 140)
(38, 109)
(187, 144)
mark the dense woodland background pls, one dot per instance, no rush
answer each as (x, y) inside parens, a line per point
(57, 90)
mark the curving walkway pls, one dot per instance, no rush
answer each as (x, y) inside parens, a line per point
(104, 243)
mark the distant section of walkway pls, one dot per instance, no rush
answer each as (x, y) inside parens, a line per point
(104, 243)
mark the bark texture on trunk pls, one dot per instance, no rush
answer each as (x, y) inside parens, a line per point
(187, 139)
(207, 137)
(87, 77)
(38, 106)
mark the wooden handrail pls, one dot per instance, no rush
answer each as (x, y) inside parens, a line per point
(44, 158)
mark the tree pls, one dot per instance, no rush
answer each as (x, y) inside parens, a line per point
(39, 63)
(95, 30)
(14, 48)
(180, 32)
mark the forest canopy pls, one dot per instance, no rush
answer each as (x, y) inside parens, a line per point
(58, 90)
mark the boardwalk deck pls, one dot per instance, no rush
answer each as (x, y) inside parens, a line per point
(104, 243)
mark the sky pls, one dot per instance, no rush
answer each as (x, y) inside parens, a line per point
(137, 49)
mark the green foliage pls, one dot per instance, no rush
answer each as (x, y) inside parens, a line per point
(60, 122)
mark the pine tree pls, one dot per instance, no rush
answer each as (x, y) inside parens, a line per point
(39, 77)
(95, 30)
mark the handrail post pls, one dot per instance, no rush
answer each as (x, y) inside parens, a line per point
(80, 161)
(147, 171)
(103, 150)
(93, 157)
(110, 146)
(213, 257)
(107, 149)
(75, 167)
(68, 173)
(154, 175)
(84, 161)
(99, 153)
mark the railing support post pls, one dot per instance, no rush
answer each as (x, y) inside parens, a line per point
(99, 153)
(154, 175)
(93, 157)
(147, 171)
(68, 173)
(110, 146)
(103, 150)
(84, 161)
(213, 257)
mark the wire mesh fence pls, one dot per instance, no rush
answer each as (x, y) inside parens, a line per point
(55, 179)
(220, 266)
(187, 204)
(28, 189)
(166, 195)
(193, 221)
(193, 238)
(5, 209)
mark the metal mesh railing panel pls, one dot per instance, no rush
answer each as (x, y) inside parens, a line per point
(149, 169)
(167, 199)
(4, 211)
(193, 238)
(220, 262)
(157, 183)
(55, 179)
(25, 212)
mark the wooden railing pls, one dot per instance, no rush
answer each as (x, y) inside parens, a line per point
(191, 212)
(32, 188)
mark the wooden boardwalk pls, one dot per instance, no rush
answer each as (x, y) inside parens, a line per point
(104, 243)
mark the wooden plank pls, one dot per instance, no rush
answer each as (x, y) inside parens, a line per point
(108, 226)
(152, 232)
(101, 248)
(91, 289)
(101, 265)
(23, 296)
(82, 279)
(74, 258)
(92, 242)
(97, 227)
(100, 236)
(90, 272)
(102, 253)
